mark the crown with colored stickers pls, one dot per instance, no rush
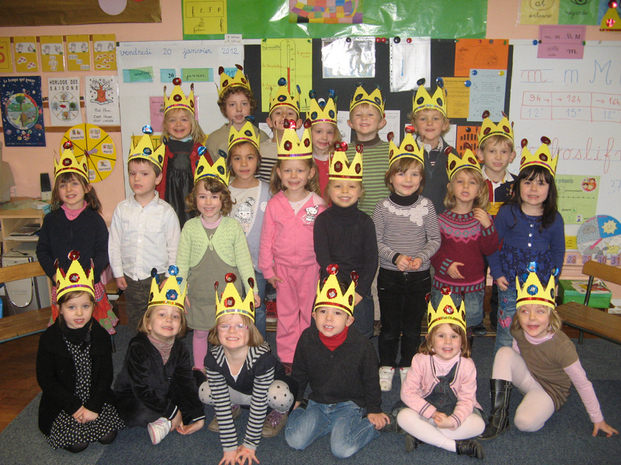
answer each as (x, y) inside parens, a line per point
(75, 278)
(488, 128)
(456, 163)
(375, 98)
(231, 302)
(245, 134)
(340, 168)
(172, 292)
(322, 110)
(533, 292)
(541, 157)
(292, 148)
(177, 97)
(205, 169)
(228, 82)
(447, 311)
(69, 164)
(611, 22)
(331, 295)
(145, 150)
(283, 97)
(423, 101)
(408, 148)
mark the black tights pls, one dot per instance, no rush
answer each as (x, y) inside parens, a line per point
(107, 439)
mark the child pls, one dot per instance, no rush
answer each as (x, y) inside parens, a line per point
(75, 223)
(440, 389)
(431, 123)
(156, 387)
(284, 106)
(286, 255)
(236, 102)
(211, 245)
(74, 369)
(531, 230)
(324, 132)
(346, 236)
(542, 363)
(182, 136)
(408, 235)
(250, 196)
(366, 118)
(145, 230)
(341, 367)
(468, 234)
(241, 370)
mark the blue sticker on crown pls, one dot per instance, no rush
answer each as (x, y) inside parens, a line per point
(248, 133)
(314, 115)
(179, 280)
(171, 294)
(312, 94)
(331, 113)
(532, 267)
(146, 129)
(282, 81)
(147, 151)
(173, 270)
(440, 82)
(201, 150)
(331, 93)
(532, 290)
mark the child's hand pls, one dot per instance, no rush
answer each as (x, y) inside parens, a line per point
(88, 415)
(483, 217)
(402, 262)
(604, 427)
(228, 458)
(189, 429)
(503, 284)
(78, 415)
(121, 283)
(257, 301)
(441, 420)
(453, 272)
(297, 404)
(177, 421)
(357, 299)
(274, 280)
(415, 264)
(379, 420)
(244, 454)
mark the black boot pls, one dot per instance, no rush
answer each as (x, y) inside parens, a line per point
(412, 443)
(470, 447)
(499, 419)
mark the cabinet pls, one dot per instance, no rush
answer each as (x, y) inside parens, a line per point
(12, 220)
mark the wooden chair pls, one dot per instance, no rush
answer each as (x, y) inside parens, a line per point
(592, 320)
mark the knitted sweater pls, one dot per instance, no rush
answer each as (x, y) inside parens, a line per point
(436, 177)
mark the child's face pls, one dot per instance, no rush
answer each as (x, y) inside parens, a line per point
(295, 174)
(72, 193)
(446, 342)
(323, 137)
(406, 182)
(164, 323)
(331, 321)
(237, 108)
(534, 193)
(142, 178)
(430, 124)
(77, 311)
(344, 193)
(178, 123)
(232, 331)
(244, 161)
(465, 187)
(277, 117)
(496, 157)
(534, 319)
(208, 204)
(366, 120)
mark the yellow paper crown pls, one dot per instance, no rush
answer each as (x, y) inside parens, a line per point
(76, 278)
(467, 160)
(375, 98)
(488, 128)
(177, 97)
(541, 157)
(290, 147)
(408, 148)
(446, 312)
(283, 97)
(228, 82)
(322, 110)
(340, 168)
(172, 292)
(145, 150)
(423, 101)
(611, 21)
(331, 295)
(69, 164)
(231, 302)
(533, 292)
(205, 169)
(245, 134)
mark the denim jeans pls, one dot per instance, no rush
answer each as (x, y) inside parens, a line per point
(364, 316)
(506, 312)
(350, 431)
(260, 311)
(473, 302)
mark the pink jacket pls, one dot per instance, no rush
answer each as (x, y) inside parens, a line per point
(286, 238)
(421, 379)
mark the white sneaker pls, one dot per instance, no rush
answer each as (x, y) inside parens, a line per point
(403, 371)
(158, 429)
(385, 378)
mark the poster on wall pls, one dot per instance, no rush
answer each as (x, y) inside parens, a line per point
(22, 111)
(102, 100)
(64, 98)
(52, 54)
(6, 65)
(327, 12)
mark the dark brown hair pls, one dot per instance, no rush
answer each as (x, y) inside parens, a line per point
(235, 90)
(401, 166)
(92, 201)
(229, 159)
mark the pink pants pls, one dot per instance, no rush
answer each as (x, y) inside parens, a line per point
(199, 348)
(295, 299)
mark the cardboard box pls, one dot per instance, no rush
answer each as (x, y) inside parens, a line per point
(575, 291)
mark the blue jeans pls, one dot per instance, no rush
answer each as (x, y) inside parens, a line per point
(364, 316)
(473, 302)
(506, 312)
(259, 318)
(350, 431)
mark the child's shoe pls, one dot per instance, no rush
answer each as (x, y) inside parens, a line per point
(412, 443)
(479, 330)
(158, 429)
(271, 315)
(213, 426)
(403, 371)
(274, 422)
(470, 447)
(385, 378)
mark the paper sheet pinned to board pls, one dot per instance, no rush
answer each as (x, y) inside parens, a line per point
(409, 62)
(457, 97)
(487, 92)
(480, 54)
(348, 57)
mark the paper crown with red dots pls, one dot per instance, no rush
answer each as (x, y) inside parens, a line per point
(447, 311)
(488, 128)
(541, 157)
(177, 97)
(172, 293)
(408, 148)
(284, 97)
(340, 168)
(375, 98)
(322, 110)
(423, 101)
(69, 164)
(231, 302)
(533, 292)
(611, 21)
(75, 278)
(292, 148)
(145, 149)
(228, 82)
(247, 133)
(331, 295)
(204, 169)
(456, 163)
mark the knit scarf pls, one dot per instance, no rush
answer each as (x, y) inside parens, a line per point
(332, 342)
(163, 348)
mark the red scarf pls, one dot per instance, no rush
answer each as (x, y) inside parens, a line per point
(332, 342)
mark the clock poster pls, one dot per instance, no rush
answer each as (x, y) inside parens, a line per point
(22, 111)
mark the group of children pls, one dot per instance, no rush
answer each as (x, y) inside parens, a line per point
(304, 216)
